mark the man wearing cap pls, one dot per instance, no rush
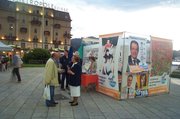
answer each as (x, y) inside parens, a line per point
(51, 77)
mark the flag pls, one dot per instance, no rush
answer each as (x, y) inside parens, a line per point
(80, 51)
(70, 54)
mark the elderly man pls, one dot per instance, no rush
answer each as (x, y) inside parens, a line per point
(51, 77)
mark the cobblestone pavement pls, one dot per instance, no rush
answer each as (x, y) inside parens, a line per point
(24, 101)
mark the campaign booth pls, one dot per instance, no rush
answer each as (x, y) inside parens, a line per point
(89, 66)
(129, 65)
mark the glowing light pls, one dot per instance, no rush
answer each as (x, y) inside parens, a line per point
(30, 11)
(2, 37)
(41, 13)
(17, 9)
(52, 15)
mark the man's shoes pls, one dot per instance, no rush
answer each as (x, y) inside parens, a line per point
(74, 104)
(71, 101)
(51, 105)
(67, 88)
(55, 103)
(19, 81)
(62, 89)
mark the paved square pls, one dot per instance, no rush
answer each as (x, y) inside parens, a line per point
(24, 101)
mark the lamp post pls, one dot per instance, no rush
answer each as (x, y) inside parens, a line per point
(43, 25)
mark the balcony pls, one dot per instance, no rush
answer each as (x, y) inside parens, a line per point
(11, 19)
(67, 35)
(36, 22)
(23, 30)
(47, 33)
(35, 40)
(56, 42)
(12, 38)
(57, 26)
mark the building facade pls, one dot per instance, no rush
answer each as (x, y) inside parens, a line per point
(30, 26)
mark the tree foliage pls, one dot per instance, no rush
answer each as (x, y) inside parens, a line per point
(37, 56)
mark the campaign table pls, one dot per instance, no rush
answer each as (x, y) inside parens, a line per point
(87, 79)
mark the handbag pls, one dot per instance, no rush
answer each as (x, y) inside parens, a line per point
(46, 93)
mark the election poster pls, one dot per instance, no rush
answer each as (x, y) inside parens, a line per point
(108, 64)
(161, 58)
(90, 58)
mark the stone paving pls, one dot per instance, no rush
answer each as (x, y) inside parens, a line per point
(24, 101)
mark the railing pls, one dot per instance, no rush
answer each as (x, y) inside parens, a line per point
(11, 19)
(36, 22)
(23, 30)
(56, 42)
(57, 26)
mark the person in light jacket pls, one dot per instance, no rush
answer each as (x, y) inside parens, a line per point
(16, 62)
(51, 77)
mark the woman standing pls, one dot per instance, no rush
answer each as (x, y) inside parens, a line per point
(75, 79)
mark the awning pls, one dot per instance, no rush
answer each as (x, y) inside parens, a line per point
(4, 47)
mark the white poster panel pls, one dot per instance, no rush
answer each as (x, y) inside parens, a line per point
(108, 65)
(107, 74)
(120, 55)
(89, 52)
(134, 61)
(137, 54)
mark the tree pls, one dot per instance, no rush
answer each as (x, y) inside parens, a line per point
(36, 56)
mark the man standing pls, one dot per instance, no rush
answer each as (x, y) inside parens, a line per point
(65, 62)
(17, 62)
(51, 77)
(134, 48)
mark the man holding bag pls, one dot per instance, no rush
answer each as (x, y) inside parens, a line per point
(51, 77)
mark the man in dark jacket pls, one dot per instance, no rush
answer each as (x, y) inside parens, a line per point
(64, 62)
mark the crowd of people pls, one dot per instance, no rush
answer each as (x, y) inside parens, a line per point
(60, 68)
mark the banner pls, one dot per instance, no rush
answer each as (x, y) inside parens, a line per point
(134, 64)
(137, 54)
(142, 81)
(90, 57)
(108, 64)
(161, 63)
